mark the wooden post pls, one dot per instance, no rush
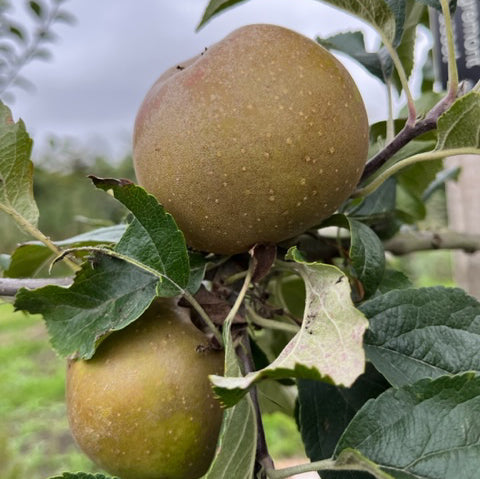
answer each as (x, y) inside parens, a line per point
(463, 199)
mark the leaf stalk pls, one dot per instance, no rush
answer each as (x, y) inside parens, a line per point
(427, 156)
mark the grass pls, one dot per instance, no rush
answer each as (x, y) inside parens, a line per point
(34, 437)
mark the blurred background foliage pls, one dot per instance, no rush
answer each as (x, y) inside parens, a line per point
(69, 204)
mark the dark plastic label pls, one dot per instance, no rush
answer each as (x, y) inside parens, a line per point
(466, 26)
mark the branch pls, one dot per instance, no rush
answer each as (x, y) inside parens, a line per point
(407, 134)
(405, 243)
(10, 286)
(401, 244)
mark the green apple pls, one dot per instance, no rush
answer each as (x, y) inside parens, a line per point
(256, 140)
(142, 407)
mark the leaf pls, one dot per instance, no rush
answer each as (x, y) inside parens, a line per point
(235, 456)
(16, 170)
(410, 207)
(437, 4)
(81, 475)
(408, 17)
(29, 257)
(440, 180)
(393, 279)
(111, 293)
(198, 265)
(36, 8)
(326, 410)
(17, 32)
(22, 82)
(418, 177)
(375, 12)
(398, 8)
(350, 459)
(429, 430)
(377, 205)
(368, 256)
(65, 17)
(237, 443)
(329, 345)
(152, 238)
(366, 252)
(42, 54)
(459, 126)
(419, 333)
(215, 7)
(353, 44)
(378, 211)
(108, 294)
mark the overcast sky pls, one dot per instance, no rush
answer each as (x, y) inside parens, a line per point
(104, 64)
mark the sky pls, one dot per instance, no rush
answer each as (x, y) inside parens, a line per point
(104, 64)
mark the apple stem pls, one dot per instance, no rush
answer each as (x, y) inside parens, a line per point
(203, 314)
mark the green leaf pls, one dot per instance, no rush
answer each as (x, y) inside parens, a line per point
(378, 210)
(150, 259)
(329, 345)
(377, 63)
(152, 238)
(375, 12)
(398, 8)
(378, 205)
(351, 459)
(36, 8)
(368, 256)
(237, 443)
(408, 16)
(459, 126)
(82, 475)
(442, 177)
(30, 257)
(418, 177)
(64, 17)
(429, 430)
(438, 5)
(366, 252)
(419, 333)
(108, 294)
(16, 170)
(393, 279)
(215, 7)
(325, 411)
(17, 31)
(198, 266)
(410, 207)
(235, 455)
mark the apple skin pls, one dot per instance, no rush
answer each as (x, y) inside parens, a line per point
(254, 141)
(142, 407)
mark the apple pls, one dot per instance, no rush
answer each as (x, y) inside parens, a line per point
(142, 407)
(256, 140)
